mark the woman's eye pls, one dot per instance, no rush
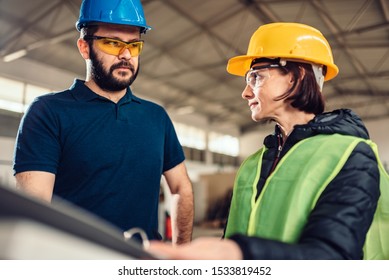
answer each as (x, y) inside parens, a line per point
(258, 77)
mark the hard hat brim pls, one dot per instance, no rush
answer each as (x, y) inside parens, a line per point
(239, 65)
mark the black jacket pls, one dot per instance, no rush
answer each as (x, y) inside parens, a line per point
(337, 226)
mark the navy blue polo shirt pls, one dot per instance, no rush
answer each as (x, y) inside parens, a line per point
(108, 158)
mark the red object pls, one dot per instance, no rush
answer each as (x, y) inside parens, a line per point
(168, 227)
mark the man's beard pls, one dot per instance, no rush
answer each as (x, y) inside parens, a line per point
(105, 79)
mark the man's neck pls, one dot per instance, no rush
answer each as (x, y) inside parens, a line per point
(114, 96)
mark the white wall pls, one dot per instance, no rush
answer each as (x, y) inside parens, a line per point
(379, 133)
(6, 156)
(252, 141)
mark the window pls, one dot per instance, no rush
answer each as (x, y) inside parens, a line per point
(191, 136)
(223, 144)
(16, 96)
(32, 92)
(11, 95)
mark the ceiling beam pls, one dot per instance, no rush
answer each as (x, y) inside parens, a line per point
(335, 29)
(27, 26)
(385, 8)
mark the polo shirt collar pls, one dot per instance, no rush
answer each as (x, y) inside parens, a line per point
(82, 93)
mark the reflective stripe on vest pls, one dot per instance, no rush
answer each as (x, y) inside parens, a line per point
(292, 190)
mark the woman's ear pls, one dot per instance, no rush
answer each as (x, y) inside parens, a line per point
(83, 48)
(302, 73)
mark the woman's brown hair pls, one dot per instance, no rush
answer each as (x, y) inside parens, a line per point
(305, 93)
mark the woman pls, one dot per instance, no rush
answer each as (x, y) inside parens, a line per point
(312, 191)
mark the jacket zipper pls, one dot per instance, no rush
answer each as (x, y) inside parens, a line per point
(278, 154)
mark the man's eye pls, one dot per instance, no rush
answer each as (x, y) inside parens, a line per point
(112, 43)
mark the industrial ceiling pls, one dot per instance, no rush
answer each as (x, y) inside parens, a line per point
(185, 55)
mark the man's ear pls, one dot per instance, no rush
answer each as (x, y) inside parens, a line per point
(83, 48)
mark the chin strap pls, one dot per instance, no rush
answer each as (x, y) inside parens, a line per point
(318, 70)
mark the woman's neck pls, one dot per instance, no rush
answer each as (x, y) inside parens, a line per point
(288, 123)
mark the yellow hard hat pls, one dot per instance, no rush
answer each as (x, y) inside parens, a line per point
(290, 41)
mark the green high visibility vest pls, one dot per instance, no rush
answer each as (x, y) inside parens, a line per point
(292, 190)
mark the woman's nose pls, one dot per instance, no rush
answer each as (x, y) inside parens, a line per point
(247, 93)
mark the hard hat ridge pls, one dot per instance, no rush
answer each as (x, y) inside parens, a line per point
(125, 12)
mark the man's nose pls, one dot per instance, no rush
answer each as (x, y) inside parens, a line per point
(125, 54)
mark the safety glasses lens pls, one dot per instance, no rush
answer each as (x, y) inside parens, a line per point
(116, 47)
(256, 78)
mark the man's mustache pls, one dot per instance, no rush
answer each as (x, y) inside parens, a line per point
(123, 64)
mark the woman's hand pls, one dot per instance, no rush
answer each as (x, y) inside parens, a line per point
(206, 248)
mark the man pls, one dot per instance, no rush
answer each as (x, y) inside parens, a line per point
(96, 144)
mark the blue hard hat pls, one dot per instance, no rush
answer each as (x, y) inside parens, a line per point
(126, 12)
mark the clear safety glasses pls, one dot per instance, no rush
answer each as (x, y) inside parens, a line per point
(258, 75)
(115, 46)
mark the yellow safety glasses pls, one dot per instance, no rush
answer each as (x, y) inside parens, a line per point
(116, 46)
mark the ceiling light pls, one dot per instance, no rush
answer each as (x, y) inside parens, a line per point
(186, 110)
(15, 55)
